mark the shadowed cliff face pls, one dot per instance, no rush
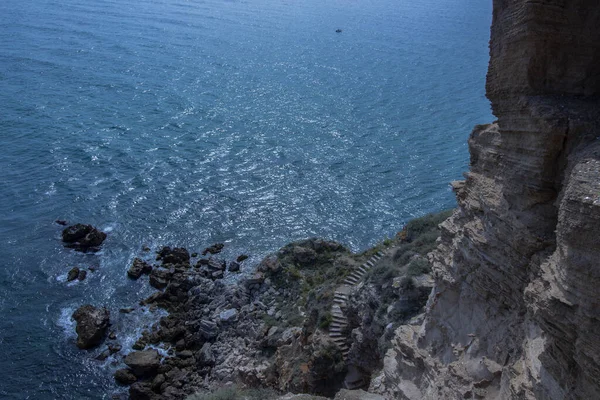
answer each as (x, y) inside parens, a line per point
(515, 310)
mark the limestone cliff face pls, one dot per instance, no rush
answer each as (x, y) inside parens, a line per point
(515, 312)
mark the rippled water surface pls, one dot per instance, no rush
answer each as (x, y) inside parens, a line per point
(190, 122)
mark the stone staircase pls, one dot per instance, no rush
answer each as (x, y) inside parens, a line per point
(340, 298)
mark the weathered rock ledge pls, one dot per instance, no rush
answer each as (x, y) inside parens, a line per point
(515, 308)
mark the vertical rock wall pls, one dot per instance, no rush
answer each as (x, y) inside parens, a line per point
(515, 312)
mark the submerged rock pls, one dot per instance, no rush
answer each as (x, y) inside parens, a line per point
(92, 323)
(234, 266)
(241, 258)
(214, 249)
(83, 238)
(82, 275)
(73, 274)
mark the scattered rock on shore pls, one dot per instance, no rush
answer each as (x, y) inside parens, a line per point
(92, 323)
(178, 255)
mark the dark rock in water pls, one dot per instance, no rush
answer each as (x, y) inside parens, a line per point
(125, 376)
(338, 31)
(112, 335)
(194, 254)
(92, 323)
(145, 248)
(82, 275)
(178, 255)
(83, 237)
(103, 356)
(143, 363)
(214, 249)
(61, 222)
(234, 266)
(203, 261)
(138, 268)
(214, 265)
(217, 275)
(73, 274)
(241, 258)
(140, 344)
(114, 348)
(126, 310)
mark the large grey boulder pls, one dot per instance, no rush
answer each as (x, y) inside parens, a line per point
(92, 323)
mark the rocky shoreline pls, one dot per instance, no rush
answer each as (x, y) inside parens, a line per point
(271, 329)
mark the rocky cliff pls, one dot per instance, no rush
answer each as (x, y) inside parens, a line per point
(515, 309)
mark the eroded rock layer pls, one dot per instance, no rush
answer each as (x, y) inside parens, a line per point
(515, 309)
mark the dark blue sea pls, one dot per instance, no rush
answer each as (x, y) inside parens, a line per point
(173, 122)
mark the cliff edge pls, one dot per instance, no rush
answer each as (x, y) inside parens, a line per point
(515, 309)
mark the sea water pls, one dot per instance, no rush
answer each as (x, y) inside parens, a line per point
(172, 122)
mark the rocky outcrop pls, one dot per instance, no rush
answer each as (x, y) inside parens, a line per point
(515, 311)
(92, 323)
(84, 238)
(138, 267)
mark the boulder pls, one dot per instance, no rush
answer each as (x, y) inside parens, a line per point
(92, 323)
(159, 278)
(178, 255)
(82, 275)
(234, 266)
(217, 275)
(143, 363)
(214, 249)
(125, 376)
(73, 274)
(208, 329)
(83, 237)
(229, 315)
(138, 268)
(205, 356)
(241, 258)
(142, 391)
(214, 265)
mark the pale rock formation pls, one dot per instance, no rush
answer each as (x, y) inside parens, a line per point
(515, 311)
